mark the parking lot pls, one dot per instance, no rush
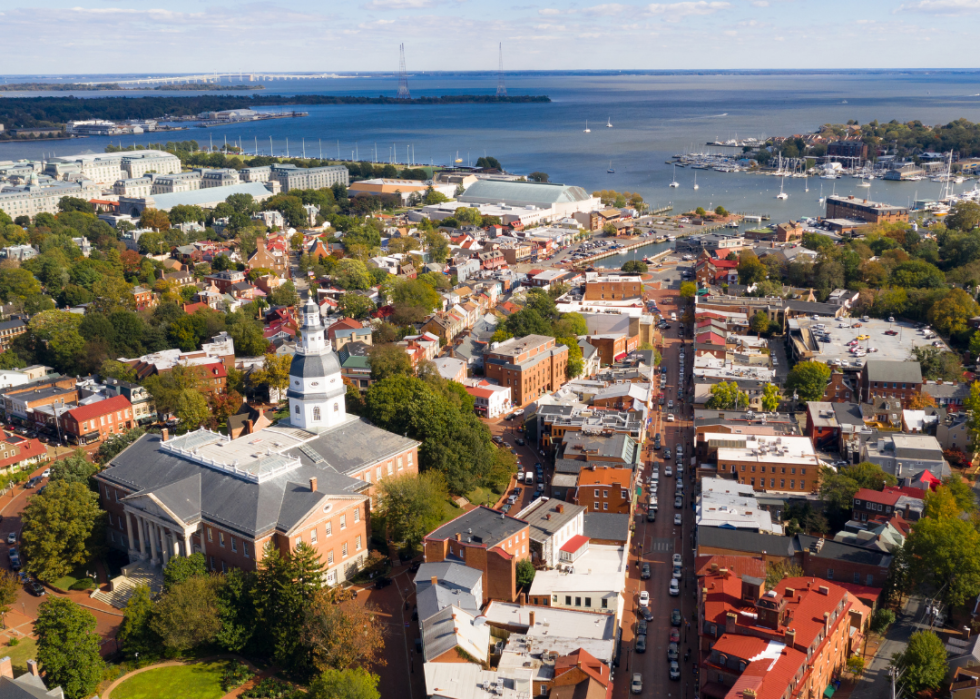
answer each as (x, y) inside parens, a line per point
(879, 339)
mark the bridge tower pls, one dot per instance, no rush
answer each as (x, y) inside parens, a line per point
(403, 93)
(501, 87)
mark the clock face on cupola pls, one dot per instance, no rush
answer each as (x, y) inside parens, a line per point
(316, 390)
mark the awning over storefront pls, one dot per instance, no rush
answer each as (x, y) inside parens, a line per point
(829, 692)
(619, 356)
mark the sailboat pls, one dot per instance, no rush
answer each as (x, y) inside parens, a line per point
(609, 123)
(806, 184)
(864, 183)
(696, 180)
(610, 170)
(782, 194)
(587, 129)
(674, 183)
(820, 200)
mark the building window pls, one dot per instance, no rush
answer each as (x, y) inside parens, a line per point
(212, 562)
(605, 603)
(597, 492)
(209, 534)
(297, 410)
(357, 543)
(245, 549)
(343, 521)
(221, 539)
(830, 573)
(595, 506)
(313, 535)
(588, 601)
(316, 413)
(782, 482)
(299, 540)
(624, 494)
(234, 545)
(343, 550)
(329, 529)
(330, 557)
(772, 482)
(357, 515)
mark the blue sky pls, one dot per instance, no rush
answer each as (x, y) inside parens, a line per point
(111, 36)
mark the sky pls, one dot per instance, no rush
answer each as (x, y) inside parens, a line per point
(90, 37)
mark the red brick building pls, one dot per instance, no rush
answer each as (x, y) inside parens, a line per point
(487, 540)
(895, 380)
(605, 489)
(612, 287)
(531, 365)
(96, 422)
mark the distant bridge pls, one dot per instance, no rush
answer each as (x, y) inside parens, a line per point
(215, 78)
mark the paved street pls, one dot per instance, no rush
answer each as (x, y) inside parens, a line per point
(875, 683)
(656, 542)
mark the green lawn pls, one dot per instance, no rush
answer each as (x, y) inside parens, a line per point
(20, 654)
(197, 681)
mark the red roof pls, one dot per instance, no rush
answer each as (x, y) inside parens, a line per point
(584, 661)
(192, 307)
(575, 543)
(27, 448)
(868, 495)
(906, 490)
(739, 565)
(731, 264)
(103, 407)
(479, 392)
(710, 338)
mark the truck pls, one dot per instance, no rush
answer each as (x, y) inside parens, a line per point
(529, 477)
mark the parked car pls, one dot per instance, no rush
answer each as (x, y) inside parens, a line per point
(672, 651)
(675, 636)
(675, 670)
(519, 442)
(678, 502)
(647, 614)
(651, 515)
(677, 572)
(47, 473)
(636, 686)
(645, 572)
(675, 617)
(641, 628)
(37, 589)
(668, 471)
(11, 538)
(670, 417)
(675, 588)
(644, 599)
(14, 561)
(678, 521)
(640, 644)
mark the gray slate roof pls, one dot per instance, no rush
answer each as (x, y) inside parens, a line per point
(480, 526)
(434, 598)
(448, 573)
(836, 550)
(606, 526)
(27, 686)
(900, 372)
(749, 542)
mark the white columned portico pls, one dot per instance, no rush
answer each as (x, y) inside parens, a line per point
(139, 529)
(129, 531)
(151, 532)
(188, 546)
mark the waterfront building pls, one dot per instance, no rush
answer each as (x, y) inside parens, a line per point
(206, 198)
(292, 177)
(180, 182)
(33, 199)
(871, 212)
(566, 200)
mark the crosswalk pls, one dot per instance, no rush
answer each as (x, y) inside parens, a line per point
(661, 546)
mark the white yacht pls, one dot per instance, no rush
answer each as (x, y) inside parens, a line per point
(609, 123)
(674, 183)
(782, 194)
(696, 180)
(587, 129)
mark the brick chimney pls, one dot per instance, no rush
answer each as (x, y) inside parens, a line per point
(826, 622)
(459, 537)
(249, 426)
(313, 484)
(164, 434)
(32, 668)
(523, 599)
(560, 508)
(6, 667)
(790, 637)
(435, 580)
(730, 619)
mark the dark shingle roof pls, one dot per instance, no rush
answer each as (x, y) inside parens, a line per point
(745, 541)
(480, 526)
(606, 526)
(884, 370)
(836, 550)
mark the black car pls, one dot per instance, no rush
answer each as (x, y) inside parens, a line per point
(519, 442)
(37, 589)
(651, 515)
(675, 617)
(641, 628)
(640, 645)
(645, 572)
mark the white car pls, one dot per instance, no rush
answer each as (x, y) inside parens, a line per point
(675, 588)
(676, 559)
(637, 685)
(519, 411)
(670, 417)
(677, 520)
(668, 471)
(47, 473)
(644, 599)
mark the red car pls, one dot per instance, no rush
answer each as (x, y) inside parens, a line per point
(675, 636)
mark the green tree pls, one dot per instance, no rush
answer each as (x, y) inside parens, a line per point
(688, 290)
(776, 571)
(416, 293)
(17, 285)
(750, 269)
(68, 647)
(961, 492)
(964, 216)
(352, 274)
(808, 380)
(770, 398)
(155, 219)
(75, 468)
(59, 526)
(951, 315)
(355, 306)
(759, 323)
(538, 176)
(945, 555)
(882, 619)
(284, 295)
(437, 245)
(180, 569)
(274, 374)
(489, 162)
(700, 211)
(349, 683)
(186, 617)
(635, 267)
(10, 586)
(236, 611)
(938, 364)
(917, 274)
(922, 663)
(525, 573)
(411, 505)
(434, 197)
(191, 409)
(389, 360)
(726, 396)
(136, 637)
(721, 211)
(66, 204)
(342, 633)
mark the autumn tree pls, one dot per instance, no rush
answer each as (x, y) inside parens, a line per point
(274, 374)
(59, 527)
(155, 219)
(187, 615)
(342, 633)
(389, 360)
(726, 396)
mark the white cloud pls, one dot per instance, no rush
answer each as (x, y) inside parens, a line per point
(401, 4)
(943, 7)
(676, 10)
(760, 3)
(549, 11)
(607, 10)
(550, 27)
